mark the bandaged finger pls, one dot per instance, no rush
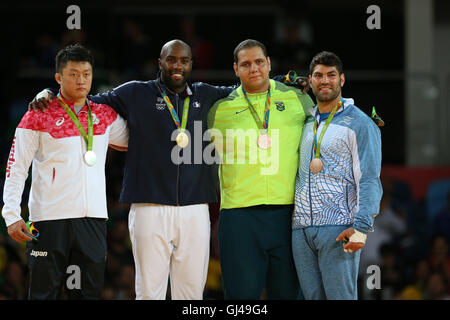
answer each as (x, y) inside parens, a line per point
(43, 94)
(358, 237)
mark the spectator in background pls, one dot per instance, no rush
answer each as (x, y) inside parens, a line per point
(135, 62)
(4, 294)
(437, 287)
(202, 50)
(15, 280)
(119, 244)
(392, 272)
(72, 37)
(125, 283)
(80, 36)
(389, 227)
(439, 259)
(119, 251)
(421, 285)
(421, 275)
(441, 223)
(47, 48)
(7, 252)
(109, 292)
(213, 286)
(416, 289)
(409, 293)
(293, 47)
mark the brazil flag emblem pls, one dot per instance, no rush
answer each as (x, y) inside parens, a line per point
(280, 105)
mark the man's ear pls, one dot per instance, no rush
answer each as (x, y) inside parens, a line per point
(309, 80)
(342, 79)
(159, 63)
(268, 61)
(235, 67)
(58, 78)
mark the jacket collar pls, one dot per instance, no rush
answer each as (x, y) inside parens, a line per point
(346, 103)
(271, 86)
(70, 103)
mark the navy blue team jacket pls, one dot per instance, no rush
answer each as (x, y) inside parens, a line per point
(150, 175)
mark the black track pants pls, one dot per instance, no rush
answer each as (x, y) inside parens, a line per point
(256, 252)
(70, 253)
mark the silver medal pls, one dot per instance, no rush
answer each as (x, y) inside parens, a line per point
(90, 158)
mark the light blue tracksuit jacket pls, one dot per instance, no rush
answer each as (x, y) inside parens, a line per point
(348, 189)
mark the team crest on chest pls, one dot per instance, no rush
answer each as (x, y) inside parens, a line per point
(280, 105)
(95, 120)
(196, 104)
(160, 104)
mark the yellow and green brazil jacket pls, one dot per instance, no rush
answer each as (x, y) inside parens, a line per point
(250, 175)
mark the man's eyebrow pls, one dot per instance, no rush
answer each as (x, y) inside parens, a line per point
(243, 61)
(329, 72)
(72, 69)
(174, 57)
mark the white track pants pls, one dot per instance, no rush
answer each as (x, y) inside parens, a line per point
(170, 240)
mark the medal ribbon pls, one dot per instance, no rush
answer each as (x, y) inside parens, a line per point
(87, 137)
(325, 127)
(172, 110)
(259, 123)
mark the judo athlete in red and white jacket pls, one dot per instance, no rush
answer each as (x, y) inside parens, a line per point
(66, 146)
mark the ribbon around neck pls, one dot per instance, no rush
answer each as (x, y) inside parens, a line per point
(87, 137)
(317, 143)
(172, 110)
(261, 124)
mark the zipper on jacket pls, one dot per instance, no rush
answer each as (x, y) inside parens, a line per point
(178, 165)
(309, 179)
(178, 183)
(86, 194)
(309, 187)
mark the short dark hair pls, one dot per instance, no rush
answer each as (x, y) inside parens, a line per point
(74, 52)
(249, 43)
(328, 59)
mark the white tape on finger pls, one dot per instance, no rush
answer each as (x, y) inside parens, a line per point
(43, 94)
(358, 237)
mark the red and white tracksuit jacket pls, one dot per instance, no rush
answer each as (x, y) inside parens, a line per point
(63, 185)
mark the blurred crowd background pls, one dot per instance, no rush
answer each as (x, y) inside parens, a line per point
(411, 240)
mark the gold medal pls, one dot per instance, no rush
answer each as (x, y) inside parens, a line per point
(182, 140)
(264, 141)
(316, 165)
